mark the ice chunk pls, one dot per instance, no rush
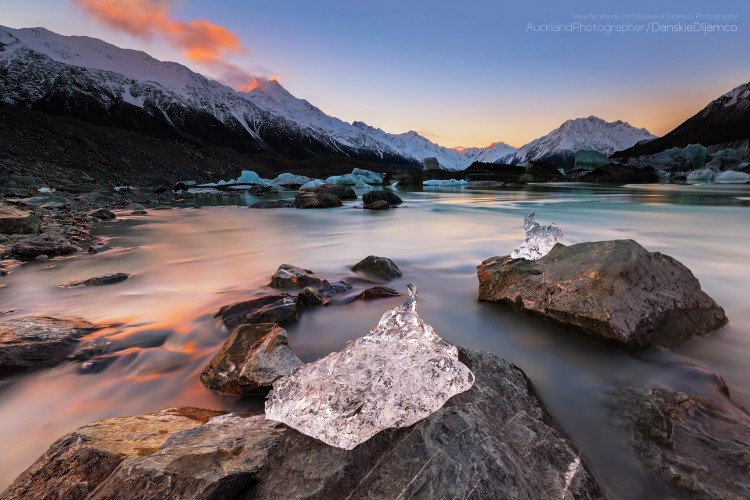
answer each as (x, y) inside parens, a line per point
(249, 177)
(539, 239)
(286, 178)
(312, 184)
(361, 184)
(370, 176)
(445, 183)
(343, 180)
(732, 177)
(47, 190)
(399, 374)
(705, 174)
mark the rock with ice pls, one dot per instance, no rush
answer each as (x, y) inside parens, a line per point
(539, 239)
(399, 374)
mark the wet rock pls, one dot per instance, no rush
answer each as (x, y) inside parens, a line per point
(699, 446)
(35, 342)
(387, 196)
(16, 221)
(288, 276)
(377, 292)
(616, 173)
(273, 204)
(250, 361)
(138, 212)
(103, 214)
(49, 243)
(305, 199)
(378, 205)
(492, 441)
(98, 248)
(381, 267)
(280, 309)
(340, 191)
(145, 339)
(315, 295)
(616, 292)
(105, 279)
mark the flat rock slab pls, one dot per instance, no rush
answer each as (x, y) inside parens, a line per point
(35, 342)
(250, 361)
(50, 243)
(616, 292)
(105, 279)
(699, 446)
(16, 221)
(492, 441)
(280, 309)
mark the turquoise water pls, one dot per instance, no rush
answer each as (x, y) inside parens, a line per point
(187, 263)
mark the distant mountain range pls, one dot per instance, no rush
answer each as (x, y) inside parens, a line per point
(88, 79)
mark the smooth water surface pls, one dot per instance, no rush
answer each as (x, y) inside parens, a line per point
(187, 263)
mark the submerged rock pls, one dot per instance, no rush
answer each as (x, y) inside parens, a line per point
(539, 239)
(251, 360)
(105, 279)
(289, 276)
(374, 196)
(699, 446)
(35, 342)
(50, 243)
(382, 267)
(397, 375)
(377, 205)
(280, 309)
(377, 292)
(614, 291)
(16, 221)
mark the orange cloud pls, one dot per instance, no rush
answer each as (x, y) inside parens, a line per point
(200, 40)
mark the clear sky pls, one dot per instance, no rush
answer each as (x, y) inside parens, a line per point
(461, 73)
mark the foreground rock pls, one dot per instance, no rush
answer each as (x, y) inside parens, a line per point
(614, 291)
(15, 221)
(382, 267)
(105, 279)
(35, 342)
(339, 191)
(315, 295)
(289, 276)
(306, 199)
(372, 197)
(251, 360)
(50, 243)
(493, 441)
(280, 309)
(699, 446)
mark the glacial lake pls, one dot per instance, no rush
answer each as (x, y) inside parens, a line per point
(188, 262)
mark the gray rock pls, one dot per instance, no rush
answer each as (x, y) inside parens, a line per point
(50, 243)
(250, 361)
(699, 446)
(289, 276)
(374, 196)
(35, 342)
(105, 279)
(615, 291)
(305, 199)
(492, 441)
(273, 204)
(16, 221)
(280, 309)
(103, 214)
(377, 292)
(382, 267)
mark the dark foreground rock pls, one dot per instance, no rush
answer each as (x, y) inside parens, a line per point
(375, 196)
(35, 342)
(289, 276)
(105, 279)
(280, 309)
(377, 205)
(315, 295)
(617, 173)
(377, 292)
(614, 291)
(50, 243)
(699, 446)
(16, 221)
(382, 267)
(251, 360)
(492, 441)
(305, 199)
(273, 204)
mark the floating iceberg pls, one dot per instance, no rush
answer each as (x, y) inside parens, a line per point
(249, 177)
(312, 184)
(343, 180)
(286, 179)
(539, 239)
(399, 374)
(705, 174)
(732, 177)
(361, 184)
(445, 183)
(369, 176)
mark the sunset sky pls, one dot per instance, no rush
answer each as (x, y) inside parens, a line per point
(460, 73)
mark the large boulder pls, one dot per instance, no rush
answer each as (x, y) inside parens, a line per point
(699, 446)
(50, 243)
(307, 199)
(541, 171)
(280, 309)
(16, 221)
(493, 441)
(250, 361)
(382, 267)
(341, 191)
(35, 342)
(616, 292)
(374, 196)
(617, 173)
(289, 276)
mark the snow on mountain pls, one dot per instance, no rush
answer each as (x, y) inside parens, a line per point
(93, 80)
(590, 133)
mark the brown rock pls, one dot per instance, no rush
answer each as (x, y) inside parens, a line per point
(279, 309)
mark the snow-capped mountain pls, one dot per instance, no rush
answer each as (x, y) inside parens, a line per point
(590, 133)
(92, 80)
(724, 120)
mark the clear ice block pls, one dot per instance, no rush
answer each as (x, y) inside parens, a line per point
(539, 239)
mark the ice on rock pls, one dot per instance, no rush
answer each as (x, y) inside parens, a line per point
(539, 239)
(399, 374)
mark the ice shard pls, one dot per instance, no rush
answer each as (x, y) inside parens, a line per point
(399, 374)
(539, 239)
